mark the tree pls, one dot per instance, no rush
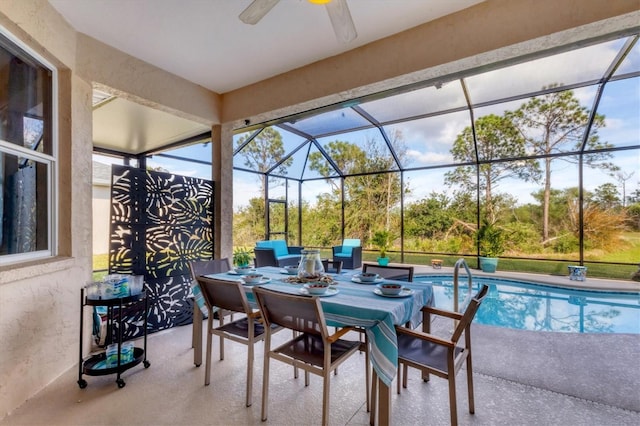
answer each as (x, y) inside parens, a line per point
(322, 222)
(606, 196)
(601, 226)
(248, 223)
(263, 152)
(622, 178)
(429, 217)
(556, 122)
(633, 217)
(377, 194)
(348, 157)
(634, 197)
(495, 138)
(557, 209)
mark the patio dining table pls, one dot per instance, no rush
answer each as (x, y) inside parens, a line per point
(356, 304)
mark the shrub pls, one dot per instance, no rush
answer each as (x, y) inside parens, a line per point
(491, 239)
(565, 244)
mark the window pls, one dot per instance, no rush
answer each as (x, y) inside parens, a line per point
(27, 154)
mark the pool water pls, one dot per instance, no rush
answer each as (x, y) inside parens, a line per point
(531, 306)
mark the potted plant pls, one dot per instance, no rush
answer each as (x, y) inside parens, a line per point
(242, 257)
(382, 240)
(491, 242)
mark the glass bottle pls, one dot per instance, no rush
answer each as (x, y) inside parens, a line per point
(310, 264)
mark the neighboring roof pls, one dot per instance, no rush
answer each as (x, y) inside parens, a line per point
(101, 174)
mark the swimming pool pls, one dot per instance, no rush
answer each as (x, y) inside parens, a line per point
(531, 306)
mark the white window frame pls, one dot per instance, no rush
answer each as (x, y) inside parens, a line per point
(49, 160)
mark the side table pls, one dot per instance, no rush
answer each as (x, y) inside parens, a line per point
(332, 266)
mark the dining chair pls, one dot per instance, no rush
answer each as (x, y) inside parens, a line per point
(197, 268)
(231, 296)
(312, 349)
(399, 272)
(435, 355)
(391, 272)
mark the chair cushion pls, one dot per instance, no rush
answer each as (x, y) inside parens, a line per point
(289, 256)
(279, 246)
(348, 245)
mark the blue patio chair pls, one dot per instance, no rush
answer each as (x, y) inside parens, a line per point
(350, 253)
(276, 253)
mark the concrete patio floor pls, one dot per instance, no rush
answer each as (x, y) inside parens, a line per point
(520, 377)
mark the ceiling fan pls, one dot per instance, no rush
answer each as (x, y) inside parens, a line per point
(337, 9)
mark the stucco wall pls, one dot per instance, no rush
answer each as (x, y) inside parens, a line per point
(39, 303)
(39, 309)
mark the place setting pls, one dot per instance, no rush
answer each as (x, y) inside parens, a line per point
(241, 270)
(368, 278)
(320, 289)
(290, 270)
(392, 290)
(252, 279)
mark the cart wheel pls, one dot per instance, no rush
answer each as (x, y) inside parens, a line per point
(82, 383)
(147, 364)
(120, 383)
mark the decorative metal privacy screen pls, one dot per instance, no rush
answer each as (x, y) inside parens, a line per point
(159, 223)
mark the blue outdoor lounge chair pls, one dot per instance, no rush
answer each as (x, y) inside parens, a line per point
(276, 253)
(350, 253)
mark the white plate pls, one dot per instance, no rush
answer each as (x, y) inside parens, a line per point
(284, 271)
(234, 272)
(263, 280)
(330, 292)
(405, 292)
(359, 281)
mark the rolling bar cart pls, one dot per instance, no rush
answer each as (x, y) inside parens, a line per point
(96, 365)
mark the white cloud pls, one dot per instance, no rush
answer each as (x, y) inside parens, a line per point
(427, 158)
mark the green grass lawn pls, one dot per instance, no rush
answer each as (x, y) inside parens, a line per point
(101, 264)
(100, 261)
(631, 253)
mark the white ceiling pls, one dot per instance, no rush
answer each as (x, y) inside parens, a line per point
(124, 126)
(204, 41)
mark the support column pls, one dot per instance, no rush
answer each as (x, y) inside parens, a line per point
(222, 170)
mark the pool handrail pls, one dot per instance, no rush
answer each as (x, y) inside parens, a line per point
(456, 271)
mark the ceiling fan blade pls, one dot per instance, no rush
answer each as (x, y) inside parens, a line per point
(341, 20)
(256, 11)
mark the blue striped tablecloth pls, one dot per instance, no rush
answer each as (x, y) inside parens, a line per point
(357, 305)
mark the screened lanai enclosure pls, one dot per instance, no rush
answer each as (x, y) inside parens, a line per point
(544, 151)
